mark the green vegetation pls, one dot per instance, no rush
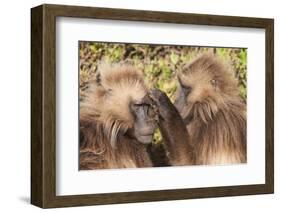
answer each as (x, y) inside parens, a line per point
(158, 62)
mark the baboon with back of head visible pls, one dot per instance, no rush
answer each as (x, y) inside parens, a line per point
(212, 111)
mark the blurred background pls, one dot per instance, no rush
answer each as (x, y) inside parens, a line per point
(159, 63)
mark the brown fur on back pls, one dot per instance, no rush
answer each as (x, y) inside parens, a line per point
(105, 117)
(216, 114)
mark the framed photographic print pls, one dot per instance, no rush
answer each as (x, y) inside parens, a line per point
(136, 106)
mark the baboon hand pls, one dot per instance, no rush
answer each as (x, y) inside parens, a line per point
(161, 102)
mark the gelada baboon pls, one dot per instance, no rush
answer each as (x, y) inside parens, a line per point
(212, 111)
(116, 120)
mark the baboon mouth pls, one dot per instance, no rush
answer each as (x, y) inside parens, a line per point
(149, 135)
(145, 138)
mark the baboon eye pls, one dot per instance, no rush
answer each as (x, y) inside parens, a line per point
(137, 106)
(214, 82)
(109, 91)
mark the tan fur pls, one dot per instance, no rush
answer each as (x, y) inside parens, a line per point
(105, 117)
(217, 114)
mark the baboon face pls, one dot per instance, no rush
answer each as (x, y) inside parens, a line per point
(144, 120)
(204, 87)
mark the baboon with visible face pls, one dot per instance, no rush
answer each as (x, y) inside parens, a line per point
(116, 120)
(212, 112)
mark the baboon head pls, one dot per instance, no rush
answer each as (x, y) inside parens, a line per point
(120, 102)
(206, 85)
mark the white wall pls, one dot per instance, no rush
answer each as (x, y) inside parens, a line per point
(15, 106)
